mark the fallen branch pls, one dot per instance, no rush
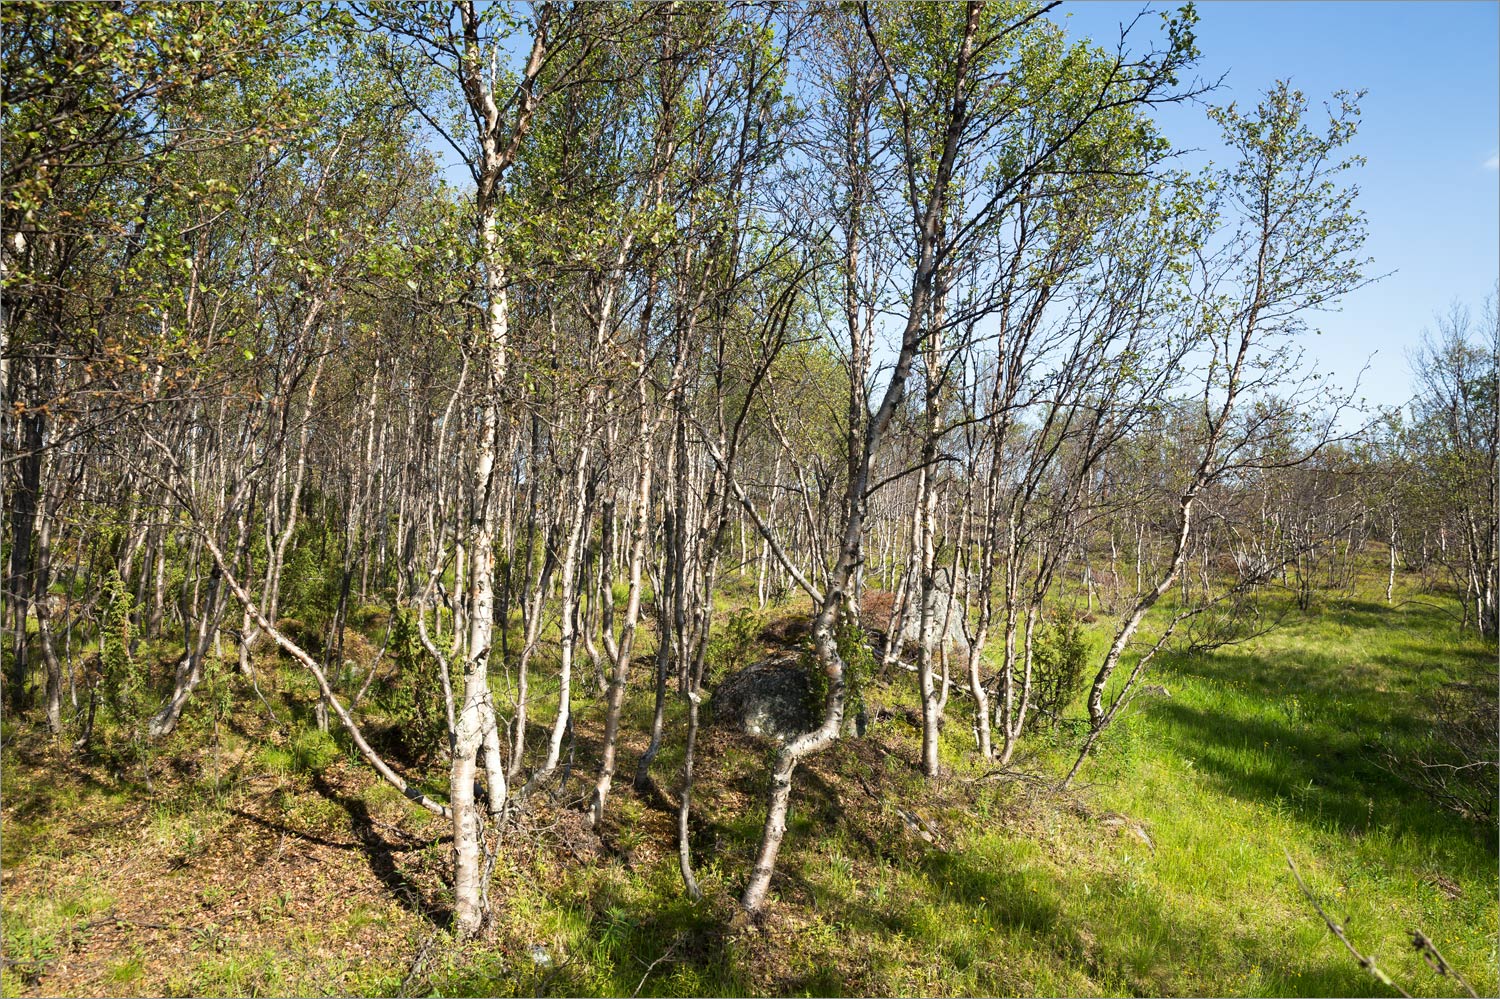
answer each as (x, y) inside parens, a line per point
(1007, 774)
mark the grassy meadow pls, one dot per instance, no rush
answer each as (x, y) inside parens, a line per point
(268, 860)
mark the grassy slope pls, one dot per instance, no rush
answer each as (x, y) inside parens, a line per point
(1274, 747)
(283, 868)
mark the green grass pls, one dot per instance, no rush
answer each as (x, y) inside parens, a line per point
(1270, 747)
(1163, 872)
(1279, 746)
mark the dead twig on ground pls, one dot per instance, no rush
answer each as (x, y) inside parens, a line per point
(419, 961)
(665, 955)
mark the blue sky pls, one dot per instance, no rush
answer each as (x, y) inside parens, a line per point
(1430, 132)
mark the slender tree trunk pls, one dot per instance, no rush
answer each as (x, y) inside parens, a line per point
(664, 602)
(568, 572)
(640, 528)
(43, 599)
(476, 721)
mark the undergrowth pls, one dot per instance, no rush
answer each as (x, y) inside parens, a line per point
(271, 861)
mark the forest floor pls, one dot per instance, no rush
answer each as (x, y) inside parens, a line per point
(269, 861)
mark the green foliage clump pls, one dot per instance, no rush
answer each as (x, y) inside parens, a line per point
(313, 751)
(309, 751)
(413, 697)
(859, 664)
(1059, 656)
(733, 647)
(310, 583)
(124, 679)
(368, 616)
(859, 667)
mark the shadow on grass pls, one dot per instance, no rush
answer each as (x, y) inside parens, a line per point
(1318, 744)
(381, 854)
(1139, 947)
(1417, 614)
(650, 946)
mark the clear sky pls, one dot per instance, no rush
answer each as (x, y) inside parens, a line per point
(1430, 132)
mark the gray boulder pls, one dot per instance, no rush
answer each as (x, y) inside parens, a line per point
(946, 606)
(772, 698)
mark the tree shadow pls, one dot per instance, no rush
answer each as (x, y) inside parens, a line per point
(1322, 743)
(379, 852)
(1016, 903)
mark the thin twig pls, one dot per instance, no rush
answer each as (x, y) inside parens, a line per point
(676, 941)
(1368, 963)
(1437, 962)
(419, 961)
(274, 720)
(1007, 774)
